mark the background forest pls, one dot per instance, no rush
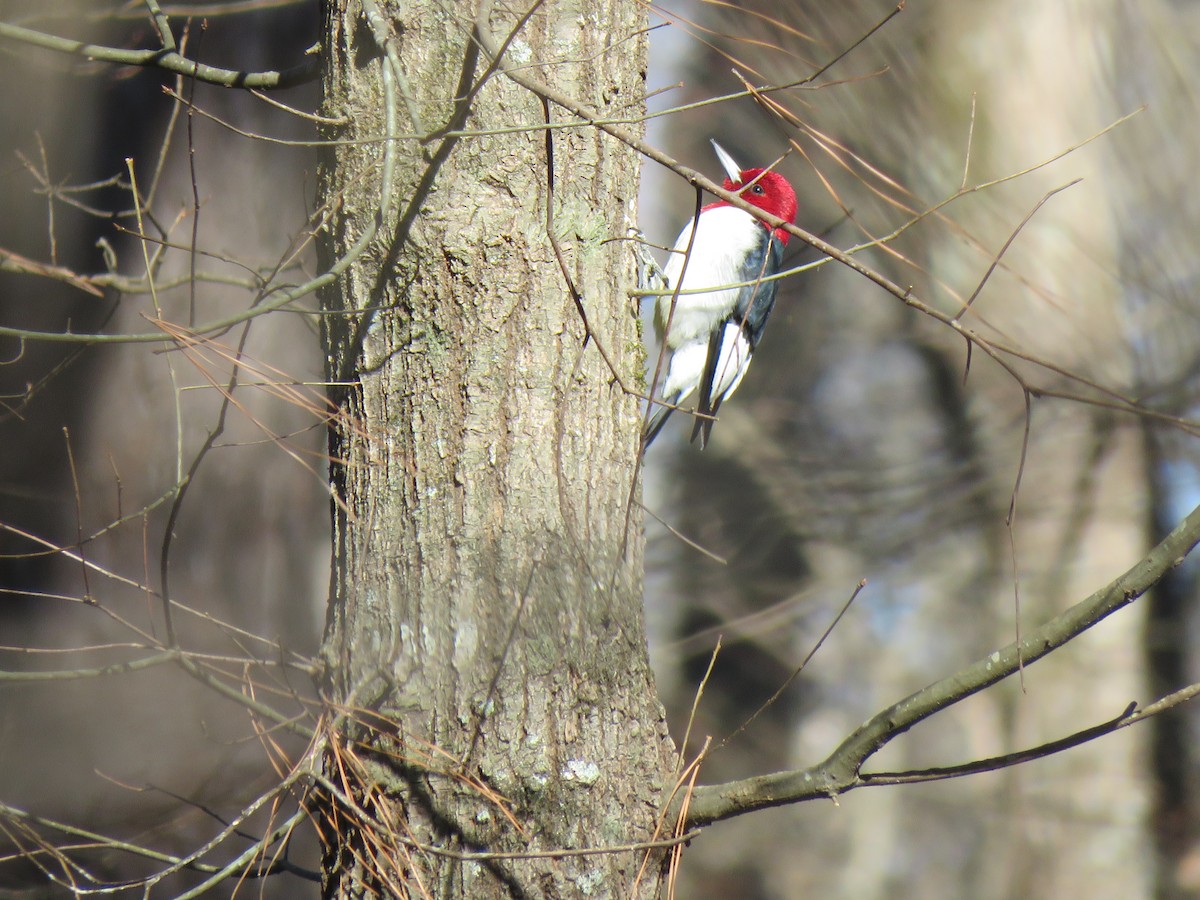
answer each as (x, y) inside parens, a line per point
(1027, 168)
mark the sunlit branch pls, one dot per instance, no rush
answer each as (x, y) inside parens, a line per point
(166, 60)
(841, 771)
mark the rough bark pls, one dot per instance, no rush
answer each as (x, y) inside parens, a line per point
(485, 627)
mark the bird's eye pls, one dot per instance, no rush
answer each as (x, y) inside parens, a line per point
(758, 189)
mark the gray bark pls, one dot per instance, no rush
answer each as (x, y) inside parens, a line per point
(485, 626)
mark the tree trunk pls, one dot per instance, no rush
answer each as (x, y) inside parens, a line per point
(485, 638)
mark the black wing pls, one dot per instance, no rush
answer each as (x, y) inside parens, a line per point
(754, 304)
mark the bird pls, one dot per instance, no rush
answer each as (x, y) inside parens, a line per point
(712, 334)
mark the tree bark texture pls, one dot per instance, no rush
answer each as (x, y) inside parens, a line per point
(485, 640)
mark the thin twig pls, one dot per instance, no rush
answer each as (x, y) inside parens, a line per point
(800, 668)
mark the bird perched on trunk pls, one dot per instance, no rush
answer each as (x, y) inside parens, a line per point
(711, 334)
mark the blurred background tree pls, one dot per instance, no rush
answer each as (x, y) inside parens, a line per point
(95, 438)
(861, 445)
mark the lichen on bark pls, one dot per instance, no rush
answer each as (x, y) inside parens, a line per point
(485, 638)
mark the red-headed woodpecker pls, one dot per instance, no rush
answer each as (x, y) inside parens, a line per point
(711, 334)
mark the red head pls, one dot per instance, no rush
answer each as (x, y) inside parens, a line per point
(770, 192)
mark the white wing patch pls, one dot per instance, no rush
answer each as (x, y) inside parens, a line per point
(725, 237)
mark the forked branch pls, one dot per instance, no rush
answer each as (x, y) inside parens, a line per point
(841, 771)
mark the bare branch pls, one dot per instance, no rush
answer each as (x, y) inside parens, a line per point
(168, 60)
(841, 771)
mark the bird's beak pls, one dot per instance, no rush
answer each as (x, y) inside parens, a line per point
(732, 169)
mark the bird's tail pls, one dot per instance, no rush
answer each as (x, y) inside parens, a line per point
(655, 425)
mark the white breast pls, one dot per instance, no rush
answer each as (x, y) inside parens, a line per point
(724, 238)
